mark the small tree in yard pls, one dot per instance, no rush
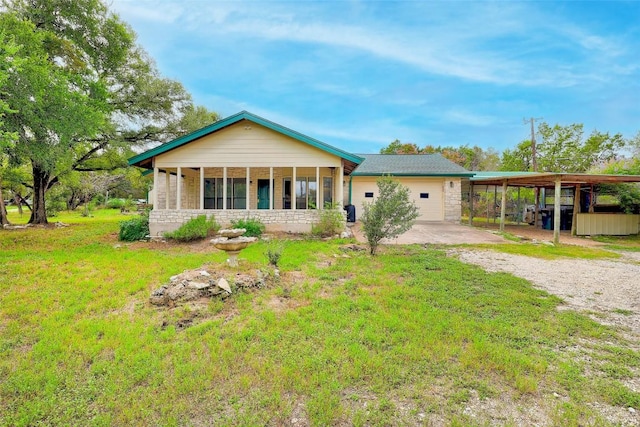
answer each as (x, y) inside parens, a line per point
(390, 215)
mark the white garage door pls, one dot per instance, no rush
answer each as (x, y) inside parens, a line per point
(425, 192)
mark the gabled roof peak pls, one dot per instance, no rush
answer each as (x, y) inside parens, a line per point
(144, 159)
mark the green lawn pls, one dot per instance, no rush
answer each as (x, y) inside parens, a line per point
(411, 337)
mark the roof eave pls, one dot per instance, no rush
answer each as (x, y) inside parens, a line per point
(446, 174)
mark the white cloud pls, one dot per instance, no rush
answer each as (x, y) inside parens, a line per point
(438, 44)
(463, 117)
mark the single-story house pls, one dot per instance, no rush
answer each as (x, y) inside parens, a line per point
(245, 166)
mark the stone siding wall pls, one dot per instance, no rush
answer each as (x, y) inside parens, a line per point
(453, 200)
(295, 221)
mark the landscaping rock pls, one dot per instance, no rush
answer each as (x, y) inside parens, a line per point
(223, 284)
(199, 285)
(193, 285)
(352, 248)
(159, 296)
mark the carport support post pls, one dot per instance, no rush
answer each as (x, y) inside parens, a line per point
(576, 209)
(471, 203)
(495, 202)
(519, 211)
(556, 210)
(487, 194)
(503, 205)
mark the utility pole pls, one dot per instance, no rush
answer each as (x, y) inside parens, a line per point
(533, 147)
(534, 165)
(534, 160)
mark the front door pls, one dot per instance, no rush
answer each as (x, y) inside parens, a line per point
(263, 194)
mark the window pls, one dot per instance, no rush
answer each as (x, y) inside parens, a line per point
(286, 193)
(305, 192)
(424, 195)
(236, 193)
(327, 191)
(368, 194)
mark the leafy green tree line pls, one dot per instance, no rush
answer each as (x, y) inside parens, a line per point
(559, 149)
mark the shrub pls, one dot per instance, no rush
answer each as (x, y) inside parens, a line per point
(254, 227)
(129, 205)
(194, 229)
(115, 203)
(331, 222)
(134, 229)
(274, 252)
(390, 215)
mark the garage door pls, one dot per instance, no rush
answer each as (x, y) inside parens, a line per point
(425, 192)
(427, 195)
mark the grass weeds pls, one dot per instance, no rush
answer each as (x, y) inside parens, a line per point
(552, 251)
(407, 337)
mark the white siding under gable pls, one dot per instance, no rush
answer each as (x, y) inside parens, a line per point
(246, 144)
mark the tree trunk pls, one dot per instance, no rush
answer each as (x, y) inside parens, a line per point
(18, 201)
(3, 210)
(40, 181)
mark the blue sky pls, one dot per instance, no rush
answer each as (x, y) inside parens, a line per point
(360, 74)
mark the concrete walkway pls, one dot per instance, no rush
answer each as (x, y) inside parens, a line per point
(444, 233)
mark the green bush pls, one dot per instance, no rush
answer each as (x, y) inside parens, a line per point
(389, 215)
(254, 227)
(195, 229)
(115, 203)
(129, 205)
(331, 222)
(134, 229)
(274, 252)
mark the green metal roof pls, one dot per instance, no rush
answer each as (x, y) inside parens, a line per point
(409, 165)
(145, 158)
(478, 175)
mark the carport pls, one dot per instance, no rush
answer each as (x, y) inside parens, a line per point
(538, 180)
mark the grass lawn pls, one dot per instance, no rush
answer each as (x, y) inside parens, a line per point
(410, 337)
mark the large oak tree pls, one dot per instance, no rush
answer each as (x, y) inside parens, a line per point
(87, 92)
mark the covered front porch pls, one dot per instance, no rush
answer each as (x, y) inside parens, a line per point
(283, 198)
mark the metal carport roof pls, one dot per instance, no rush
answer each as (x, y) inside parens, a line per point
(556, 180)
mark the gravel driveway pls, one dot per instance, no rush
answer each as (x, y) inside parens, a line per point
(610, 288)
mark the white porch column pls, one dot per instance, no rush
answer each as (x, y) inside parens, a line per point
(179, 188)
(224, 188)
(247, 183)
(271, 188)
(293, 189)
(318, 186)
(340, 186)
(156, 182)
(167, 176)
(201, 187)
